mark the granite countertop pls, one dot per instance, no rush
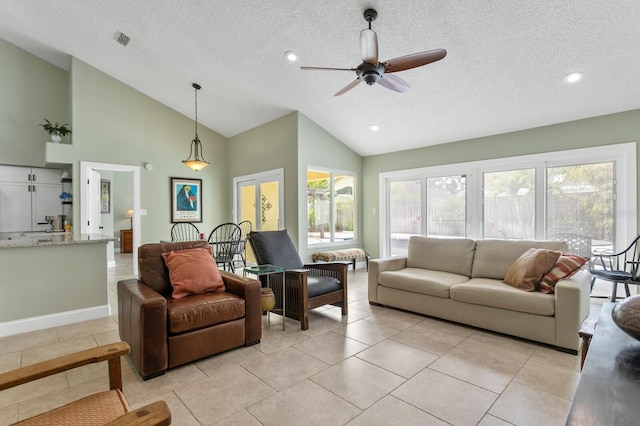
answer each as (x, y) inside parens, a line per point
(8, 240)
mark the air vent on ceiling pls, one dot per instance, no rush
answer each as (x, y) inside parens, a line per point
(122, 38)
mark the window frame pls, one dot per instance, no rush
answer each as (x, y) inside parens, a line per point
(623, 154)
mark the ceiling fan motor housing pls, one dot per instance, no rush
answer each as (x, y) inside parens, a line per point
(370, 73)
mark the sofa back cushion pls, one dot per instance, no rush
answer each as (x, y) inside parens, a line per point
(453, 255)
(493, 258)
(151, 266)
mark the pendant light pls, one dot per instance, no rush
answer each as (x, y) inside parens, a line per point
(198, 162)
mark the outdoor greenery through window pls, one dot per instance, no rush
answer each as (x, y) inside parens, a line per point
(586, 197)
(331, 207)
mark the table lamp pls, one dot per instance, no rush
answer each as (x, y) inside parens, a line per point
(129, 215)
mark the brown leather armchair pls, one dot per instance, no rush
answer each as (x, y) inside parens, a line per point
(164, 332)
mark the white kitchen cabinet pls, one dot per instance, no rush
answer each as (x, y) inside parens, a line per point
(27, 195)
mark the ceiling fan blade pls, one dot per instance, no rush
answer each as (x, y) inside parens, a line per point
(414, 60)
(327, 69)
(369, 46)
(349, 86)
(394, 83)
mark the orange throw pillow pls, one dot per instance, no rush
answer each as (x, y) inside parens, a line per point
(193, 271)
(527, 271)
(566, 266)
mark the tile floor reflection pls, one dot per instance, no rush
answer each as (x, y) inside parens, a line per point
(376, 366)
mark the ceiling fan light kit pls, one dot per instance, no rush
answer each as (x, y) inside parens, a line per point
(371, 71)
(198, 162)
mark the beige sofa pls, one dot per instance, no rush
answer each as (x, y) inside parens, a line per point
(461, 280)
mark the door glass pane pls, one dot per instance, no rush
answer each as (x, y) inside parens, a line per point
(509, 204)
(580, 206)
(269, 211)
(343, 190)
(446, 206)
(405, 217)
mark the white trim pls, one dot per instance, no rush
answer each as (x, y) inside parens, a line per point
(85, 166)
(624, 155)
(25, 325)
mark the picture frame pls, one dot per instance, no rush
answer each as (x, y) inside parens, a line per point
(186, 200)
(105, 196)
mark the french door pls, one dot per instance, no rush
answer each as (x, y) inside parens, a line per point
(259, 198)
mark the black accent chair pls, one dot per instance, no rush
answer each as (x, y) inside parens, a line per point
(308, 286)
(618, 268)
(184, 231)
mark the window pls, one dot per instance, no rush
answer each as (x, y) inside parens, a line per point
(509, 204)
(586, 195)
(331, 207)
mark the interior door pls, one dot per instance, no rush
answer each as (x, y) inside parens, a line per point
(93, 206)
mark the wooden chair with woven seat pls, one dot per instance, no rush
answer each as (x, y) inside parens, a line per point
(104, 408)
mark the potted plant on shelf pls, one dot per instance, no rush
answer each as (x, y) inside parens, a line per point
(56, 131)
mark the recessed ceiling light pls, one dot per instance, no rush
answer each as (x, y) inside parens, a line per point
(374, 128)
(573, 77)
(291, 56)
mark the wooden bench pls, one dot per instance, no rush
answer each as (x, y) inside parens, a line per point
(346, 254)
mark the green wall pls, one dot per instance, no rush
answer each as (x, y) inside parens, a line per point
(30, 91)
(603, 130)
(318, 148)
(113, 123)
(273, 145)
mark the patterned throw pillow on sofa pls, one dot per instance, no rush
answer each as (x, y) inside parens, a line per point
(565, 267)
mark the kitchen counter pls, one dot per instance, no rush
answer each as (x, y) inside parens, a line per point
(28, 239)
(52, 279)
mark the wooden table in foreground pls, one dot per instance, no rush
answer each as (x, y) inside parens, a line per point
(609, 388)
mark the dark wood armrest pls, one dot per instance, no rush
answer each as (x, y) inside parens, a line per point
(156, 413)
(57, 365)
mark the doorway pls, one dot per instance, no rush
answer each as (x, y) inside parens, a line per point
(259, 198)
(90, 199)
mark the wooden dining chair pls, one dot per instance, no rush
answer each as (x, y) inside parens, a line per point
(241, 253)
(184, 231)
(224, 240)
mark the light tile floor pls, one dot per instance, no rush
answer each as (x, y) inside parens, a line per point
(377, 366)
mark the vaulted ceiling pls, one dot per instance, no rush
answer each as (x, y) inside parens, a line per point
(503, 72)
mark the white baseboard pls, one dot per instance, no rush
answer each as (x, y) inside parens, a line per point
(25, 325)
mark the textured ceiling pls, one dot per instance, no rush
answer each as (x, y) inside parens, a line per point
(503, 71)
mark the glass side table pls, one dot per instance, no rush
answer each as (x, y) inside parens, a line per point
(268, 270)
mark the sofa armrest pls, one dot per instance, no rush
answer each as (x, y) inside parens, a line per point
(572, 307)
(142, 321)
(380, 265)
(249, 290)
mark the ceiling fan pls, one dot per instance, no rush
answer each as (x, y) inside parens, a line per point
(371, 71)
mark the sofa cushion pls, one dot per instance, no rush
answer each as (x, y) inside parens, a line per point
(423, 281)
(493, 258)
(566, 266)
(152, 269)
(203, 310)
(494, 293)
(453, 255)
(527, 271)
(193, 271)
